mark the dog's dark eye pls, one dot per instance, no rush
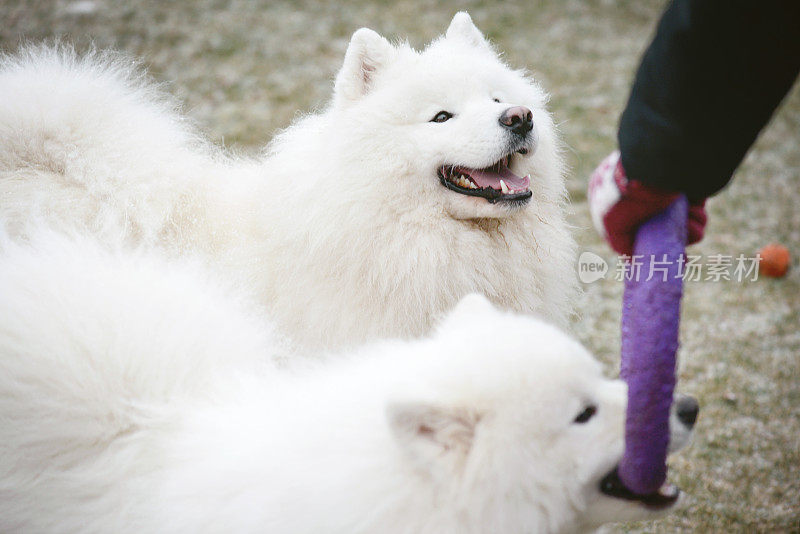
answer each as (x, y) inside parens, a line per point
(586, 414)
(496, 100)
(442, 116)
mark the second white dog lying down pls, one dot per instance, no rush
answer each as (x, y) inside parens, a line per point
(136, 396)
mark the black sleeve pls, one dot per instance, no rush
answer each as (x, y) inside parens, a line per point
(707, 84)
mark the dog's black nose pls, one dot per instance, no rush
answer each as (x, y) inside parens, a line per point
(687, 409)
(518, 119)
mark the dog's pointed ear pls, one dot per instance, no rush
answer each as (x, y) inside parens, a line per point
(366, 54)
(426, 431)
(472, 303)
(472, 309)
(462, 27)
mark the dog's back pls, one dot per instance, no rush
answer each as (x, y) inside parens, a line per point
(99, 350)
(89, 141)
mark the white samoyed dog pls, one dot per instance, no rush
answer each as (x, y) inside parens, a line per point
(428, 176)
(136, 395)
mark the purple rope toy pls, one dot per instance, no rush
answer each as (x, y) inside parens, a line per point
(650, 320)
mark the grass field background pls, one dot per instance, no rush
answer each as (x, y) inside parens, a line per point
(246, 68)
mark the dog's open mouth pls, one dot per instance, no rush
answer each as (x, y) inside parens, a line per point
(663, 498)
(495, 183)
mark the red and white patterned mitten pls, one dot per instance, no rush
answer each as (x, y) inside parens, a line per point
(619, 206)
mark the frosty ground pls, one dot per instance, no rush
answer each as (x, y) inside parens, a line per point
(246, 69)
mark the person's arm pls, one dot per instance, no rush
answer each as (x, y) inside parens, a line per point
(706, 86)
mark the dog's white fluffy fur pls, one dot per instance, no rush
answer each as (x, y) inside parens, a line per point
(137, 395)
(342, 228)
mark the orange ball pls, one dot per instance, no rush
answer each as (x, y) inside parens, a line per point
(775, 260)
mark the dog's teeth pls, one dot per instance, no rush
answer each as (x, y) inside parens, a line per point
(668, 490)
(504, 187)
(465, 182)
(462, 180)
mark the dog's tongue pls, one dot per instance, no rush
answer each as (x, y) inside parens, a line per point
(491, 176)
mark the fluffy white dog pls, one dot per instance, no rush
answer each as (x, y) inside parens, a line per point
(136, 396)
(430, 175)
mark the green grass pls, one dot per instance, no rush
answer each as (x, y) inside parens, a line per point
(245, 69)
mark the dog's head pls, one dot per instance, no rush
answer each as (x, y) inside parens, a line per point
(452, 126)
(520, 428)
